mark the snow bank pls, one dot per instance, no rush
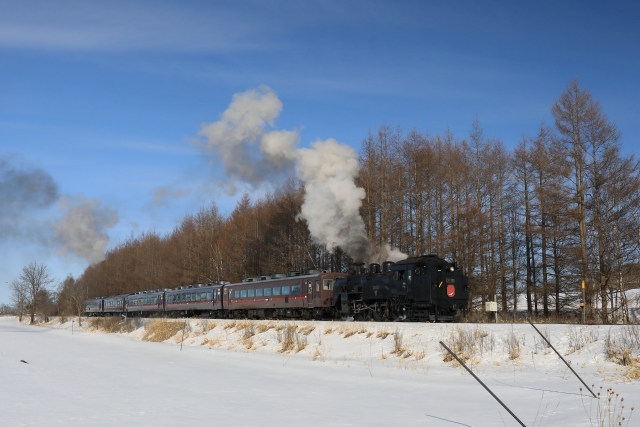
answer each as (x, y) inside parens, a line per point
(303, 373)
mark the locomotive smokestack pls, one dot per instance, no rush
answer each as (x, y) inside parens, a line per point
(374, 268)
(359, 268)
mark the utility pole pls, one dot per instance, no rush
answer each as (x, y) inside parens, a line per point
(584, 322)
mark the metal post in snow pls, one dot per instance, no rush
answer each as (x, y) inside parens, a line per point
(482, 384)
(185, 325)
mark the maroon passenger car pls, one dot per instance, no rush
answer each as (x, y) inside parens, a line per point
(306, 295)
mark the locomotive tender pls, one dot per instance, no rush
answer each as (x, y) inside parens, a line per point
(423, 288)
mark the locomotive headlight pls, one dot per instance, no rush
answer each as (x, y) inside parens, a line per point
(451, 268)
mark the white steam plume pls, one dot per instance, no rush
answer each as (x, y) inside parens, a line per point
(388, 253)
(332, 201)
(82, 229)
(328, 169)
(248, 151)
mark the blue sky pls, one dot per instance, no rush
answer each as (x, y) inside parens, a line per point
(105, 97)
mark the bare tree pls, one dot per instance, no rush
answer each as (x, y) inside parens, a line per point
(19, 298)
(34, 279)
(71, 295)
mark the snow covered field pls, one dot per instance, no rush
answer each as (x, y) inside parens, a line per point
(330, 374)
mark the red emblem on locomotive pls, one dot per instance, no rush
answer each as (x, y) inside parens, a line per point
(451, 291)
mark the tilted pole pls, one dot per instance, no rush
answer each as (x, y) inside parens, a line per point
(562, 358)
(482, 384)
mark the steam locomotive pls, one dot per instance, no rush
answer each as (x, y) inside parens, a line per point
(425, 288)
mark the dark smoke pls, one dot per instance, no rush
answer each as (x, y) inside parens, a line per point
(23, 188)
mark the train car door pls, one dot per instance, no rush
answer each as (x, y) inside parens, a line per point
(308, 284)
(317, 293)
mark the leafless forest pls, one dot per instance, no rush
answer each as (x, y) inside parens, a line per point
(533, 223)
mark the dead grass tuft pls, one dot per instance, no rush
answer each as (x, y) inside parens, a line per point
(317, 354)
(623, 347)
(383, 333)
(306, 330)
(211, 341)
(512, 346)
(419, 355)
(230, 325)
(208, 325)
(114, 324)
(350, 330)
(264, 326)
(287, 338)
(162, 329)
(398, 345)
(462, 341)
(301, 342)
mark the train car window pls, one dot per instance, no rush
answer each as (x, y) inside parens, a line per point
(327, 284)
(295, 290)
(258, 292)
(409, 276)
(188, 297)
(276, 291)
(267, 292)
(183, 298)
(251, 293)
(286, 290)
(243, 293)
(398, 275)
(317, 285)
(198, 298)
(236, 294)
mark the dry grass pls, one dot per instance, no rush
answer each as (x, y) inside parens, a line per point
(383, 333)
(609, 409)
(350, 330)
(512, 346)
(329, 329)
(208, 325)
(112, 325)
(301, 342)
(229, 325)
(419, 355)
(162, 329)
(287, 338)
(623, 348)
(211, 342)
(398, 345)
(306, 330)
(462, 341)
(317, 354)
(265, 326)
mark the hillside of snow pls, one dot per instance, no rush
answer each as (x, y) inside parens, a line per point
(225, 372)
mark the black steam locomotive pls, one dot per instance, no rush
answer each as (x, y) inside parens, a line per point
(424, 288)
